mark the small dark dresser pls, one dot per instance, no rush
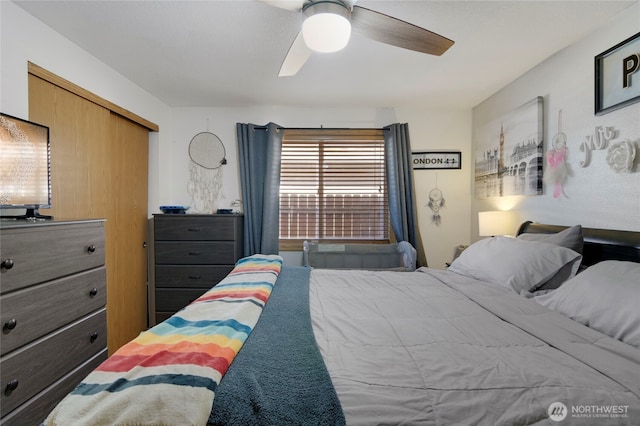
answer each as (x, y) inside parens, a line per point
(189, 254)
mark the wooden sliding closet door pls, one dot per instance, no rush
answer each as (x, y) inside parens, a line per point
(128, 222)
(99, 165)
(80, 161)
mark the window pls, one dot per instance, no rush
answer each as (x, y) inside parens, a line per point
(333, 187)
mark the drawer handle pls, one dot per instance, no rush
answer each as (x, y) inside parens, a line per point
(195, 277)
(93, 292)
(10, 325)
(195, 253)
(93, 337)
(195, 229)
(11, 386)
(91, 248)
(7, 264)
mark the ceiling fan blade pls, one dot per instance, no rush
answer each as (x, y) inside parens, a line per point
(389, 30)
(296, 57)
(294, 5)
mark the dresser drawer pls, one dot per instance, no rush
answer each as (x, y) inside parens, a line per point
(40, 309)
(35, 366)
(195, 253)
(41, 253)
(190, 276)
(34, 411)
(174, 299)
(221, 228)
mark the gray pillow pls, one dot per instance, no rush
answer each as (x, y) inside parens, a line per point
(605, 297)
(570, 238)
(520, 265)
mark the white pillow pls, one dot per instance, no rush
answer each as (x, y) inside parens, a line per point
(605, 297)
(570, 238)
(520, 265)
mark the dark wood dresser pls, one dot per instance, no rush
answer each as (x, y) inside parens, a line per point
(189, 254)
(52, 310)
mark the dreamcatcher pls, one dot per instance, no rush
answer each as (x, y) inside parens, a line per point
(436, 203)
(207, 155)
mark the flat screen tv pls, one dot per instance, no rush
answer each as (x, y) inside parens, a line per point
(25, 167)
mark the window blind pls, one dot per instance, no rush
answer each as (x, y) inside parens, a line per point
(333, 186)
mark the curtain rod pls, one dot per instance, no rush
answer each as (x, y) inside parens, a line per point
(323, 128)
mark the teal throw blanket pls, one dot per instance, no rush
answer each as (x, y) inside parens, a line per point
(279, 376)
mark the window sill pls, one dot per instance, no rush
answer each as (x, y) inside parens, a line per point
(296, 245)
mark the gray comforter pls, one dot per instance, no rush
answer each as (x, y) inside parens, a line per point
(436, 348)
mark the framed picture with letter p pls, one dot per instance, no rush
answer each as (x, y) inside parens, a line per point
(617, 76)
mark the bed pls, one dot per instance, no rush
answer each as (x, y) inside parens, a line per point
(541, 329)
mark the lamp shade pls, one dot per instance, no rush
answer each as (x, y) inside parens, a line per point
(326, 28)
(494, 223)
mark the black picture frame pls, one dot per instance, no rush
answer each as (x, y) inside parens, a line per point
(436, 160)
(617, 76)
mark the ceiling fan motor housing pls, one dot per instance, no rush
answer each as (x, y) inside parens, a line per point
(337, 7)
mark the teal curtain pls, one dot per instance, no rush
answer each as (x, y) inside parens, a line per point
(402, 204)
(259, 150)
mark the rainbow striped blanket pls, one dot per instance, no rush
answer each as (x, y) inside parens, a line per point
(168, 375)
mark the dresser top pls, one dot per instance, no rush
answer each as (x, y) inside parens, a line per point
(13, 223)
(197, 215)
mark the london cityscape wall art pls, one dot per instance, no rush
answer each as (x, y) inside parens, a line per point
(509, 155)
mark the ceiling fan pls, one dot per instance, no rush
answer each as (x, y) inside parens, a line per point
(328, 23)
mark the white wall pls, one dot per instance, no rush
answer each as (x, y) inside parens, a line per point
(23, 38)
(597, 197)
(442, 130)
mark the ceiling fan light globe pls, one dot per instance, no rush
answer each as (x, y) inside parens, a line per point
(326, 32)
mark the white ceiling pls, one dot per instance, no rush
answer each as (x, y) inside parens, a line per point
(228, 53)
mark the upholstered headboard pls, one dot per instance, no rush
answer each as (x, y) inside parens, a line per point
(599, 244)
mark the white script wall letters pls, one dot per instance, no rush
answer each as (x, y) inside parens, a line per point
(598, 140)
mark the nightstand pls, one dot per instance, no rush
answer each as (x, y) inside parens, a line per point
(458, 251)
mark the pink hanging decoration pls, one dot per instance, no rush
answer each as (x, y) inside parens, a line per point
(557, 171)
